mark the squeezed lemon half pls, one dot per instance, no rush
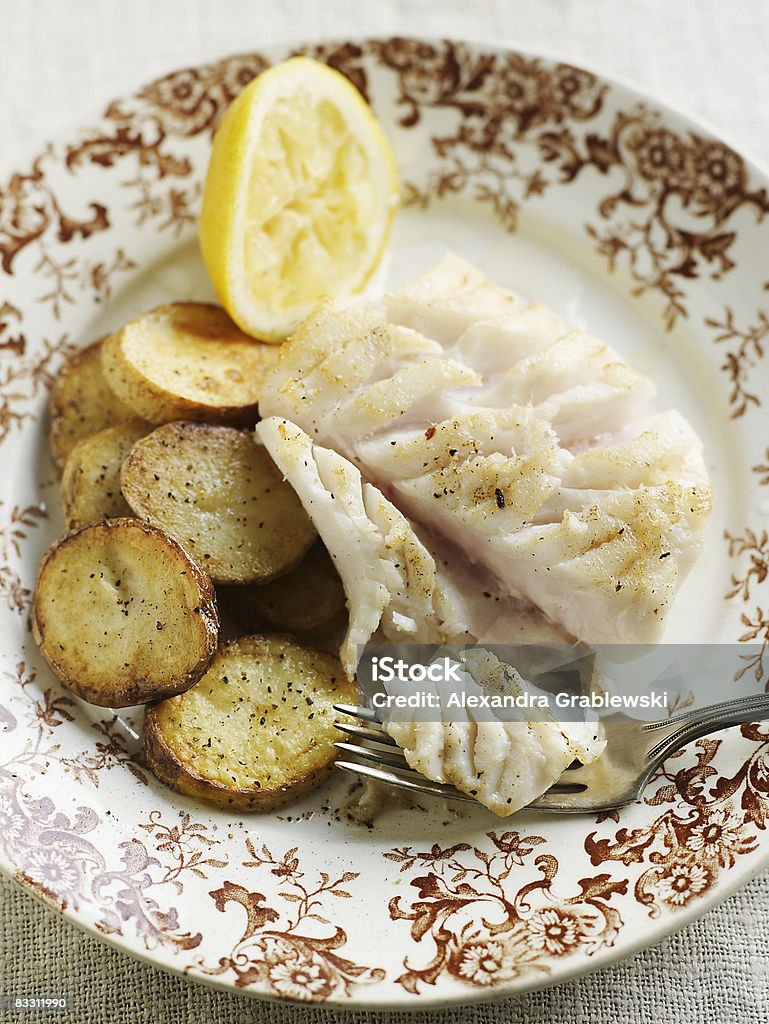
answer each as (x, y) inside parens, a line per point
(299, 197)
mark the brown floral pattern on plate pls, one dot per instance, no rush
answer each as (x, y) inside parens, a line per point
(507, 934)
(525, 127)
(13, 531)
(516, 933)
(745, 349)
(51, 849)
(277, 950)
(756, 623)
(183, 104)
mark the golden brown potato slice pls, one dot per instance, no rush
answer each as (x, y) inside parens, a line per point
(257, 730)
(187, 360)
(307, 599)
(82, 402)
(221, 496)
(90, 483)
(123, 615)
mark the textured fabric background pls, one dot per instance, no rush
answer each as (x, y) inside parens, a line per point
(60, 61)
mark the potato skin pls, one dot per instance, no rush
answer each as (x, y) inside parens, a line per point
(166, 721)
(187, 361)
(82, 402)
(106, 687)
(183, 778)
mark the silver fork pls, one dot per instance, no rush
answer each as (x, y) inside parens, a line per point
(633, 751)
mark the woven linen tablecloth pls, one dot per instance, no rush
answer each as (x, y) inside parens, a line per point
(60, 60)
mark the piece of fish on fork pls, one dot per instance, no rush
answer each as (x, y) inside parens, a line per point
(634, 750)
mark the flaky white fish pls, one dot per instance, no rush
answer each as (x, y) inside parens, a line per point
(502, 758)
(530, 450)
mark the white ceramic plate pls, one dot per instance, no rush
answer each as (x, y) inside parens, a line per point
(623, 216)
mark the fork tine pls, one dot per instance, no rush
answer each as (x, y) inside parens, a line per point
(561, 798)
(355, 711)
(365, 733)
(395, 770)
(369, 754)
(401, 778)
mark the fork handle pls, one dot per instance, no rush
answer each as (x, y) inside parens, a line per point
(683, 729)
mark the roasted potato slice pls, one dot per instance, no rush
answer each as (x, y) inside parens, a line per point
(221, 496)
(90, 483)
(258, 729)
(123, 615)
(187, 360)
(82, 402)
(307, 599)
